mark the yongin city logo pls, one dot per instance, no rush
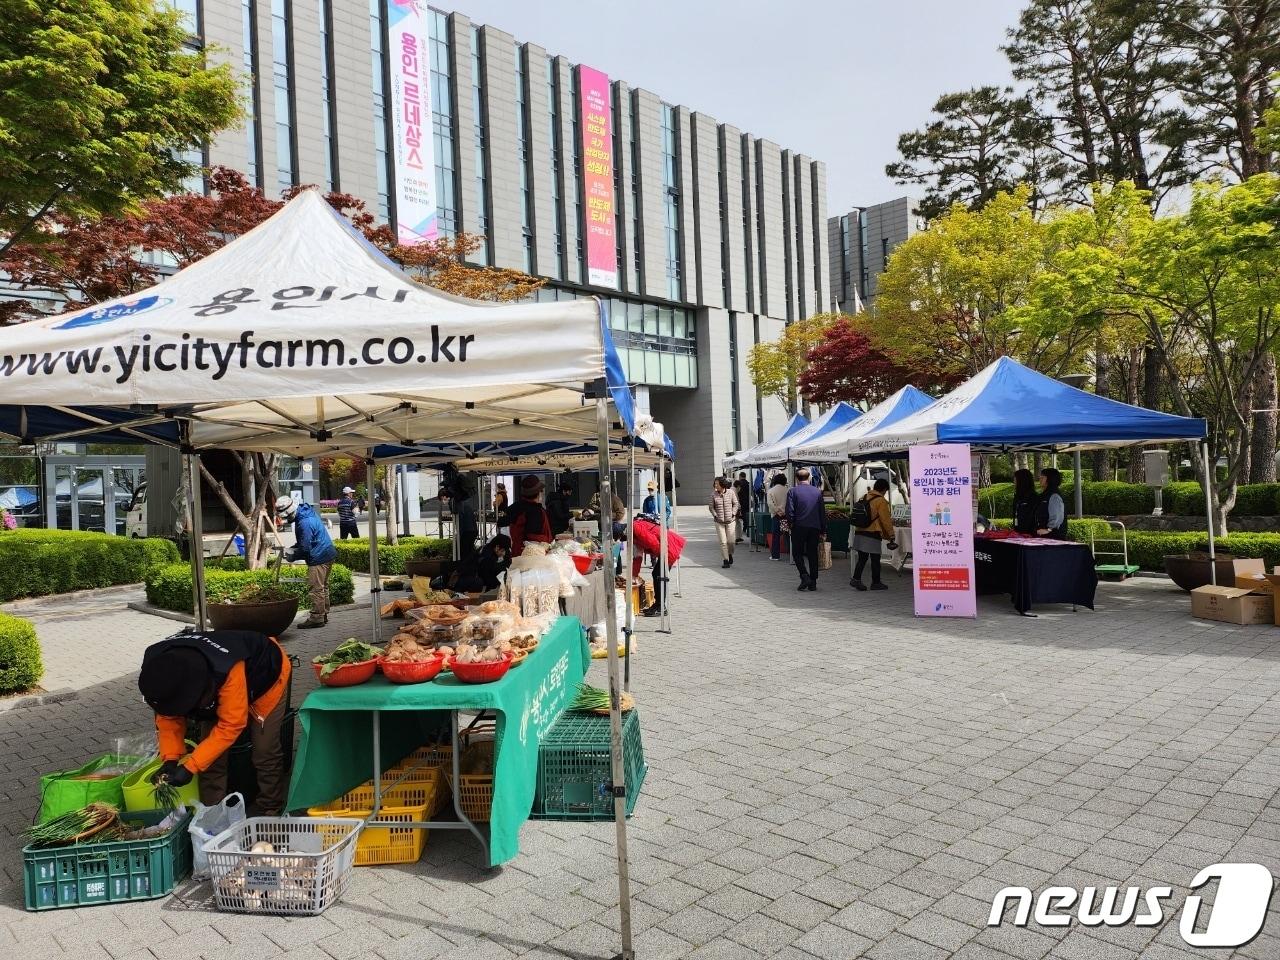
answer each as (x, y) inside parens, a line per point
(1239, 908)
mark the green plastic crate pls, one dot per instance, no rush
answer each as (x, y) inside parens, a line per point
(93, 873)
(574, 767)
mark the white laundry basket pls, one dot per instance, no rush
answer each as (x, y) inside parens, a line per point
(305, 872)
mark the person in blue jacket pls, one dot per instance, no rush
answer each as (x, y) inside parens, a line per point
(314, 545)
(650, 505)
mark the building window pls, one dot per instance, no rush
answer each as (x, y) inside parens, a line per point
(787, 241)
(749, 272)
(735, 414)
(555, 269)
(671, 198)
(801, 299)
(846, 258)
(637, 234)
(522, 129)
(755, 333)
(579, 271)
(282, 85)
(253, 124)
(722, 181)
(442, 125)
(329, 117)
(864, 268)
(481, 256)
(381, 158)
(884, 254)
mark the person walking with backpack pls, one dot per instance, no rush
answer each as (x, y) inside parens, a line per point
(872, 526)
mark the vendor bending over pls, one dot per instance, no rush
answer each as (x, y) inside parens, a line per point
(225, 680)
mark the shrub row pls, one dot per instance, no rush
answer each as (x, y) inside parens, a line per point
(354, 553)
(34, 563)
(20, 664)
(169, 587)
(1113, 498)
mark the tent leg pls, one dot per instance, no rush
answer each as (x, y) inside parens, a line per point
(615, 691)
(1078, 484)
(629, 628)
(848, 486)
(375, 580)
(1208, 513)
(675, 518)
(664, 569)
(195, 524)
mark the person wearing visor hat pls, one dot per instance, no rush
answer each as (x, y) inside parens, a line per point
(226, 681)
(313, 544)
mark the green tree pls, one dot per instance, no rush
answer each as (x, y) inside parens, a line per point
(981, 141)
(948, 300)
(775, 367)
(1205, 288)
(99, 101)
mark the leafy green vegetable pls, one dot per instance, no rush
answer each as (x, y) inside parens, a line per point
(349, 651)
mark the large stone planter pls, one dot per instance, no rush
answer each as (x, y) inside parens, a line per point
(272, 618)
(1191, 570)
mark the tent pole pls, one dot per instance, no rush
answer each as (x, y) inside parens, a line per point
(848, 485)
(375, 581)
(195, 523)
(664, 611)
(675, 518)
(630, 625)
(1078, 484)
(1208, 513)
(615, 691)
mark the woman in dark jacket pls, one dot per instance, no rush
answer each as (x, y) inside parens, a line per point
(1051, 516)
(480, 571)
(1025, 503)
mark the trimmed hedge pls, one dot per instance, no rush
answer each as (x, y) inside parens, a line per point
(353, 553)
(20, 664)
(1114, 498)
(169, 587)
(35, 563)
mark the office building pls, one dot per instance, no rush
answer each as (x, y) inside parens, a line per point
(860, 242)
(703, 238)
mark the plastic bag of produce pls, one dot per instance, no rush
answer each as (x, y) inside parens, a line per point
(207, 823)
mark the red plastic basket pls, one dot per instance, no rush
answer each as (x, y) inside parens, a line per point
(349, 674)
(481, 672)
(415, 672)
(585, 561)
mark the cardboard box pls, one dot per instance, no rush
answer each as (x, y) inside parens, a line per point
(1240, 605)
(1251, 575)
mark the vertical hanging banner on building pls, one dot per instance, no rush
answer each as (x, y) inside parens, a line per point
(942, 531)
(597, 177)
(411, 128)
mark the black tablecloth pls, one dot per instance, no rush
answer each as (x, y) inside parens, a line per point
(1060, 572)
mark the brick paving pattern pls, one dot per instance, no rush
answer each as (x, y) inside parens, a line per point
(829, 777)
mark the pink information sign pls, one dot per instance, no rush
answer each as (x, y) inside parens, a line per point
(597, 177)
(942, 531)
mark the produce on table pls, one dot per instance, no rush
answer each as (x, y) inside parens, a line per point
(445, 613)
(423, 593)
(166, 794)
(469, 653)
(397, 608)
(97, 821)
(349, 651)
(492, 607)
(406, 648)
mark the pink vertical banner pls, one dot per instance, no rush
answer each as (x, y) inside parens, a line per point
(596, 122)
(942, 531)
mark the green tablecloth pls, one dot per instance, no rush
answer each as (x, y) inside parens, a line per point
(336, 751)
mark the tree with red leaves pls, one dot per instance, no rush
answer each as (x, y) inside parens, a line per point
(848, 366)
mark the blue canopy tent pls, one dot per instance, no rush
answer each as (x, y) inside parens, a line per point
(793, 426)
(784, 450)
(834, 445)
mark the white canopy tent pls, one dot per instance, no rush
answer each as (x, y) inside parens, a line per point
(300, 337)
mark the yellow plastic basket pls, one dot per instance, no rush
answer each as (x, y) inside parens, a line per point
(402, 803)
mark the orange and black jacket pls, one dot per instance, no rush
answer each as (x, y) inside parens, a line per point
(251, 672)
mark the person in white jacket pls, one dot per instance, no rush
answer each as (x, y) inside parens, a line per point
(776, 500)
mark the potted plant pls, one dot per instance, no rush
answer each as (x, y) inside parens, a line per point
(1191, 570)
(428, 562)
(264, 607)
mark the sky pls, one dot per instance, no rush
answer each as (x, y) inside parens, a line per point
(837, 80)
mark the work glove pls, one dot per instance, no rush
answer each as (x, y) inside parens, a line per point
(181, 776)
(166, 771)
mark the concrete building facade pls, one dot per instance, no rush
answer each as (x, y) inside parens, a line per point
(721, 234)
(859, 244)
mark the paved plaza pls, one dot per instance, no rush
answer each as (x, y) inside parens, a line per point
(829, 777)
